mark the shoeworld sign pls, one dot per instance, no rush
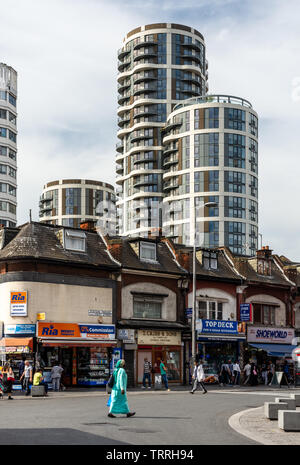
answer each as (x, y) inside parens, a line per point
(270, 334)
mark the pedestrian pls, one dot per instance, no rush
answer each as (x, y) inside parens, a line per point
(231, 377)
(247, 372)
(236, 373)
(21, 370)
(264, 374)
(56, 372)
(224, 374)
(7, 379)
(286, 372)
(271, 372)
(38, 380)
(163, 372)
(62, 387)
(198, 377)
(27, 377)
(119, 403)
(253, 375)
(147, 373)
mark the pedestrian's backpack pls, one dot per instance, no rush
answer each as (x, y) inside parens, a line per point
(111, 381)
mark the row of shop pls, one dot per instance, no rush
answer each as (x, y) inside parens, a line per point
(88, 353)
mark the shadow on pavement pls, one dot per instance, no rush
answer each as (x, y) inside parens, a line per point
(53, 436)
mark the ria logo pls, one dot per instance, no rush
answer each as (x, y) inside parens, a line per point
(49, 331)
(18, 297)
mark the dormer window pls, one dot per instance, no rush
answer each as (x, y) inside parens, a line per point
(264, 267)
(210, 260)
(75, 241)
(148, 251)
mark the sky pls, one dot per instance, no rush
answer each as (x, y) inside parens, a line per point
(65, 53)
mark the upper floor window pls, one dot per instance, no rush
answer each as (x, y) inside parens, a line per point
(264, 314)
(12, 100)
(2, 95)
(264, 267)
(147, 307)
(210, 310)
(148, 251)
(210, 260)
(75, 240)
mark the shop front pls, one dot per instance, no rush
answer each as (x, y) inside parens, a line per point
(156, 345)
(218, 341)
(85, 351)
(17, 345)
(267, 343)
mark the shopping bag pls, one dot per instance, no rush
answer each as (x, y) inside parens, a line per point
(109, 401)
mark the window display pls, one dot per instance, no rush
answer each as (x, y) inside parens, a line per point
(92, 366)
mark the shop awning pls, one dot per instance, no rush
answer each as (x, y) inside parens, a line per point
(19, 345)
(275, 350)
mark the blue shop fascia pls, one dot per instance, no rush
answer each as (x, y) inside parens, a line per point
(219, 341)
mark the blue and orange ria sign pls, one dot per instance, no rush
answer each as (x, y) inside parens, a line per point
(18, 303)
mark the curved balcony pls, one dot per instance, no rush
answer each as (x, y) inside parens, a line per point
(167, 151)
(144, 183)
(170, 161)
(171, 126)
(120, 146)
(48, 199)
(144, 79)
(191, 79)
(191, 45)
(123, 98)
(143, 160)
(123, 52)
(124, 85)
(123, 64)
(136, 137)
(190, 91)
(144, 43)
(139, 56)
(144, 89)
(168, 186)
(192, 57)
(119, 169)
(144, 113)
(124, 120)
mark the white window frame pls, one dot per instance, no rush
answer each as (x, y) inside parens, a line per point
(78, 237)
(150, 246)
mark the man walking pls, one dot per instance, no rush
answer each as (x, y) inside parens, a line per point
(27, 377)
(55, 376)
(147, 373)
(21, 371)
(163, 372)
(236, 373)
(198, 376)
(247, 372)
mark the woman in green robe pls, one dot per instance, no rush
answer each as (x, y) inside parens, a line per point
(119, 402)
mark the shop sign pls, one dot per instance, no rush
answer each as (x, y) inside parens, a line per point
(97, 331)
(41, 316)
(245, 312)
(270, 335)
(106, 313)
(74, 330)
(19, 329)
(126, 335)
(217, 326)
(18, 303)
(155, 337)
(15, 349)
(188, 312)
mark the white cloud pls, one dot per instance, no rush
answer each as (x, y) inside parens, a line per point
(65, 53)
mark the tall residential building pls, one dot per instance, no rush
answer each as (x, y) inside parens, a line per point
(8, 145)
(159, 65)
(211, 156)
(68, 202)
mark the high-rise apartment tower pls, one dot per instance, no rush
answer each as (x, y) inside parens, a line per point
(8, 145)
(159, 65)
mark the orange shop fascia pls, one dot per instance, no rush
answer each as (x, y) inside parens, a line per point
(61, 330)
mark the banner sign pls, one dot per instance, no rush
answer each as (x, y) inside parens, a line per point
(245, 312)
(270, 335)
(217, 327)
(156, 337)
(188, 312)
(74, 330)
(19, 329)
(18, 303)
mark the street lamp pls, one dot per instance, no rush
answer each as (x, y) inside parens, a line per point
(207, 204)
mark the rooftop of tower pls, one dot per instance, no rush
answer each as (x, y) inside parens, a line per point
(214, 99)
(148, 27)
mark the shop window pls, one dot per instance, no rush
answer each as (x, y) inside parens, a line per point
(210, 260)
(148, 251)
(75, 240)
(147, 307)
(210, 310)
(264, 314)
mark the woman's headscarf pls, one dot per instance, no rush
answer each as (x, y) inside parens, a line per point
(120, 364)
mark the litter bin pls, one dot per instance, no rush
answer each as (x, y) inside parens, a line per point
(157, 381)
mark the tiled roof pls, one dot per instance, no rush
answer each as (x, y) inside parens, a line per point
(40, 241)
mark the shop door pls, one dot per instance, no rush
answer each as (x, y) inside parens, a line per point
(142, 354)
(66, 356)
(129, 360)
(157, 356)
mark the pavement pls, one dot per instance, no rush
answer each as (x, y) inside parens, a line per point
(229, 403)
